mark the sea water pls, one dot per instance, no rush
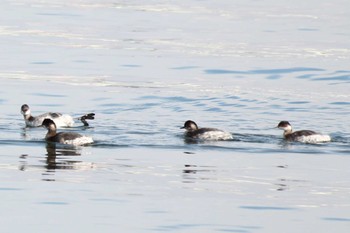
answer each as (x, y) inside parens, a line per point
(145, 68)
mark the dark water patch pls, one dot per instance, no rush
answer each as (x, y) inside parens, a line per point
(298, 102)
(9, 189)
(131, 66)
(179, 227)
(234, 97)
(334, 78)
(199, 104)
(178, 109)
(263, 208)
(223, 104)
(233, 230)
(53, 203)
(285, 71)
(42, 63)
(218, 71)
(250, 227)
(279, 99)
(290, 109)
(306, 76)
(263, 71)
(238, 229)
(59, 14)
(308, 29)
(214, 110)
(156, 212)
(182, 99)
(248, 100)
(108, 200)
(338, 83)
(47, 95)
(170, 98)
(342, 72)
(336, 219)
(111, 104)
(273, 77)
(340, 103)
(100, 99)
(275, 106)
(257, 108)
(185, 67)
(206, 227)
(82, 61)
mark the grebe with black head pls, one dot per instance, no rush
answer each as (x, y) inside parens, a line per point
(194, 132)
(61, 120)
(64, 137)
(307, 136)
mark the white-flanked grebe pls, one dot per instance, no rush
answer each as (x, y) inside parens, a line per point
(192, 131)
(306, 136)
(61, 120)
(64, 137)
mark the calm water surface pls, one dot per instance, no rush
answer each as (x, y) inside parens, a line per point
(146, 68)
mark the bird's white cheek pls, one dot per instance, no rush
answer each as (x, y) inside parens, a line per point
(26, 113)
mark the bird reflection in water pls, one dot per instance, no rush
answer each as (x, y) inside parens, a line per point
(193, 173)
(57, 157)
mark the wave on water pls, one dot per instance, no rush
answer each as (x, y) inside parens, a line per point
(21, 142)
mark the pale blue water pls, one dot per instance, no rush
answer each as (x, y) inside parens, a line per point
(145, 68)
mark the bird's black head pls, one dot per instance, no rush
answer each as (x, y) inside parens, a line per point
(25, 109)
(48, 123)
(283, 124)
(190, 125)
